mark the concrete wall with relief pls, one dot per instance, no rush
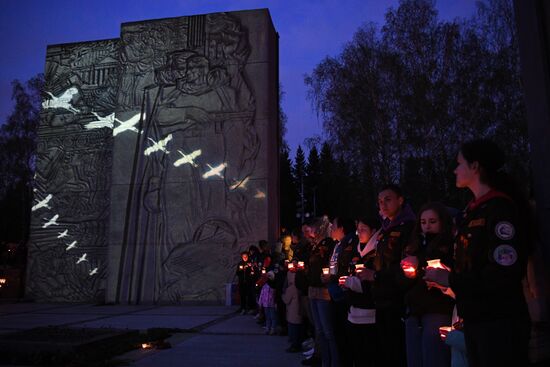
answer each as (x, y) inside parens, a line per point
(70, 217)
(185, 119)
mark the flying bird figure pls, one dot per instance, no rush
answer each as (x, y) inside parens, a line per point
(82, 258)
(65, 233)
(240, 184)
(188, 158)
(63, 101)
(107, 121)
(259, 194)
(94, 271)
(215, 171)
(51, 222)
(129, 124)
(43, 203)
(158, 146)
(70, 246)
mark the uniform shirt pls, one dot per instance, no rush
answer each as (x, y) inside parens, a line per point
(490, 260)
(388, 290)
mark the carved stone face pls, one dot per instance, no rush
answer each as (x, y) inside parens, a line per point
(197, 69)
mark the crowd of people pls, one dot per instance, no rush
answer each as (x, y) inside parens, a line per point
(391, 288)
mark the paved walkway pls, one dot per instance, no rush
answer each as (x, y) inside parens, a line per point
(220, 337)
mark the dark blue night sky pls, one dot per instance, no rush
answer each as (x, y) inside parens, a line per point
(309, 30)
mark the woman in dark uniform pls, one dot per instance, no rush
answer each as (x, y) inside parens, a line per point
(491, 251)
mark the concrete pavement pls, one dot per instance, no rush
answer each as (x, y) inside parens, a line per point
(214, 335)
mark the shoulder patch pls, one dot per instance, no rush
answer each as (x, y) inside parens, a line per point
(476, 223)
(505, 230)
(395, 234)
(505, 255)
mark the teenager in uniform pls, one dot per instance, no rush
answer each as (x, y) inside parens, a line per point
(491, 252)
(387, 290)
(428, 308)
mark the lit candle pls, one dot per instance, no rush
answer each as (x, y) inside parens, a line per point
(325, 271)
(409, 269)
(359, 268)
(301, 264)
(435, 263)
(342, 280)
(444, 331)
(290, 266)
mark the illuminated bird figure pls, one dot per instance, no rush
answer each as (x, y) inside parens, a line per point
(51, 222)
(188, 158)
(82, 258)
(158, 146)
(259, 195)
(63, 101)
(43, 203)
(107, 121)
(70, 246)
(240, 184)
(94, 271)
(215, 171)
(65, 233)
(129, 124)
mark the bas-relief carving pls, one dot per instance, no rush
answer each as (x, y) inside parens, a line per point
(67, 256)
(180, 89)
(197, 150)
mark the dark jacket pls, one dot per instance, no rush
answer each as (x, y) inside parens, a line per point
(244, 272)
(419, 299)
(366, 299)
(318, 260)
(490, 261)
(388, 289)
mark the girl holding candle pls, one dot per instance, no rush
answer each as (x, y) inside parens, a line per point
(492, 246)
(361, 321)
(427, 307)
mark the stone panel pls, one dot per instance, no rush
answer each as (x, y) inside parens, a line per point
(70, 215)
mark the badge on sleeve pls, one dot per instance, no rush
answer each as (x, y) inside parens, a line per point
(505, 255)
(505, 230)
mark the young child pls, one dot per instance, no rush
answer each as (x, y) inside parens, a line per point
(269, 304)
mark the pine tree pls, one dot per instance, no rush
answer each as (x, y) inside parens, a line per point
(299, 176)
(312, 181)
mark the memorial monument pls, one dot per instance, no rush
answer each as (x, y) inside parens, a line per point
(157, 160)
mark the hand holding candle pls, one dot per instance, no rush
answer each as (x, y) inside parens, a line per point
(342, 281)
(444, 331)
(437, 275)
(409, 266)
(437, 264)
